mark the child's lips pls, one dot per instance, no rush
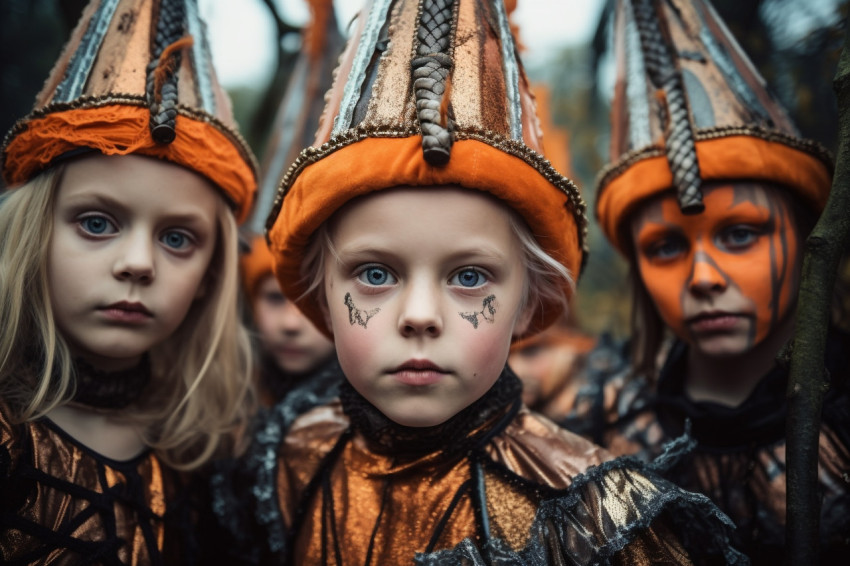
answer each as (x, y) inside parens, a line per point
(714, 322)
(418, 373)
(126, 312)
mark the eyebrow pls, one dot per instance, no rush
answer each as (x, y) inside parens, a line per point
(357, 252)
(87, 198)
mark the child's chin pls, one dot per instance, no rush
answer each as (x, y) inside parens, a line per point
(420, 420)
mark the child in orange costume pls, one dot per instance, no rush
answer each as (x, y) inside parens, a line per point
(292, 349)
(425, 233)
(122, 359)
(713, 223)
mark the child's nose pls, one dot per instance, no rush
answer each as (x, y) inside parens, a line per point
(135, 261)
(291, 320)
(707, 276)
(420, 313)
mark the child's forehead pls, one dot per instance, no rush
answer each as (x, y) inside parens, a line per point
(411, 201)
(720, 197)
(445, 213)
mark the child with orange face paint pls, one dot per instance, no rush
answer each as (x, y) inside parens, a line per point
(713, 225)
(426, 234)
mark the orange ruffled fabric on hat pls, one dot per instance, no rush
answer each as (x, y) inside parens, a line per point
(374, 164)
(121, 129)
(728, 158)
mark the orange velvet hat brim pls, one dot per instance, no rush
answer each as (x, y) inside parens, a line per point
(374, 164)
(122, 129)
(721, 159)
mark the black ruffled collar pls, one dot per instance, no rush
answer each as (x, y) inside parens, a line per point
(456, 436)
(110, 390)
(760, 419)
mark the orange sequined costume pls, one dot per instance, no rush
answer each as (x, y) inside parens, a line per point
(62, 503)
(494, 484)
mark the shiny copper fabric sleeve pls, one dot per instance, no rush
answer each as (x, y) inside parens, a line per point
(65, 504)
(550, 498)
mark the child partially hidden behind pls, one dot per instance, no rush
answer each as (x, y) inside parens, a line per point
(292, 352)
(425, 233)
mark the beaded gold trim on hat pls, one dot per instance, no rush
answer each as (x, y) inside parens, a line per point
(617, 168)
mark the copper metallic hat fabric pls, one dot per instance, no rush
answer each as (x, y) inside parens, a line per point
(298, 115)
(689, 107)
(136, 77)
(427, 93)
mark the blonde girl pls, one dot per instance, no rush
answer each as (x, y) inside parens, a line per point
(123, 363)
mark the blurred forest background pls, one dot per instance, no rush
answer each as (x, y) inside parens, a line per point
(795, 47)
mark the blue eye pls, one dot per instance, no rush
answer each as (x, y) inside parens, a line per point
(376, 276)
(176, 240)
(96, 225)
(468, 278)
(737, 238)
(666, 248)
(273, 297)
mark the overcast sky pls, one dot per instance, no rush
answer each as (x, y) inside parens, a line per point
(243, 35)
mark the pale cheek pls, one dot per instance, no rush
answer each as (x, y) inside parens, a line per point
(267, 319)
(487, 349)
(356, 347)
(178, 289)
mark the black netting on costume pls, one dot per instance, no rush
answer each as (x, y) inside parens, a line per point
(100, 543)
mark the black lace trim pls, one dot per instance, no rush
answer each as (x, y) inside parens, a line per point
(110, 390)
(454, 437)
(702, 528)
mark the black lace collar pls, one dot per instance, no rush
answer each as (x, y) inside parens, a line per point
(759, 419)
(110, 390)
(455, 436)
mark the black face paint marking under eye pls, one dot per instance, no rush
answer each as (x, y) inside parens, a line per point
(488, 311)
(356, 315)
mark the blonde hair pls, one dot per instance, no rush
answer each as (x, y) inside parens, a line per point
(544, 283)
(200, 395)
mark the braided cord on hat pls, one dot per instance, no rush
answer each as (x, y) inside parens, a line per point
(665, 77)
(161, 84)
(431, 70)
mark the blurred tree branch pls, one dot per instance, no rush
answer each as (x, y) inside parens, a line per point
(808, 380)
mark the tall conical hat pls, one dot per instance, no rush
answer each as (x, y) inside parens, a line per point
(301, 107)
(136, 77)
(689, 107)
(557, 140)
(427, 92)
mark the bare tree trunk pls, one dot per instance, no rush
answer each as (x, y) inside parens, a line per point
(808, 381)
